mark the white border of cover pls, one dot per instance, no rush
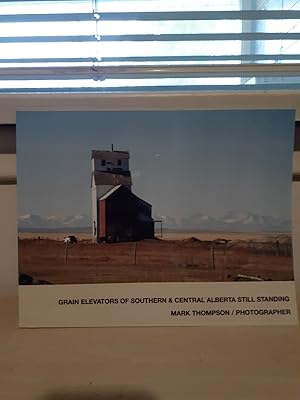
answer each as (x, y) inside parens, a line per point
(9, 104)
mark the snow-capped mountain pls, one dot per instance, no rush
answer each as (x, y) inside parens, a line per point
(34, 221)
(31, 220)
(194, 222)
(250, 221)
(230, 221)
(79, 220)
(167, 221)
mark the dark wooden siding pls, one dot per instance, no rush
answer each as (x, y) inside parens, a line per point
(102, 218)
(126, 217)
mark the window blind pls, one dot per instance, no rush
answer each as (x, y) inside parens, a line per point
(149, 45)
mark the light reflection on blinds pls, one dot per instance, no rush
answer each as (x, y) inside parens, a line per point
(93, 34)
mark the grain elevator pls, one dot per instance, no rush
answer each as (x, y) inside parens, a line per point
(117, 213)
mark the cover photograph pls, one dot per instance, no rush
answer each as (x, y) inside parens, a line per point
(155, 218)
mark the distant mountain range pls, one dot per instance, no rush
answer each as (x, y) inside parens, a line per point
(34, 222)
(231, 221)
(237, 221)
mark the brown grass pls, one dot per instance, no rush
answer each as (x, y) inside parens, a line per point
(155, 261)
(178, 235)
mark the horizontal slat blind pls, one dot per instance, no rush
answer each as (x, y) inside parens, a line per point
(154, 16)
(149, 45)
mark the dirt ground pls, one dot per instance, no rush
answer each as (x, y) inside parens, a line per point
(186, 260)
(178, 235)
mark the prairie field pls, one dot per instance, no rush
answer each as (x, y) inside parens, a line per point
(177, 257)
(176, 235)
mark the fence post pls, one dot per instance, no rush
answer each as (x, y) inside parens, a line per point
(277, 248)
(224, 260)
(212, 255)
(135, 247)
(66, 252)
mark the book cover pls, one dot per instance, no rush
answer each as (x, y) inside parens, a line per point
(155, 218)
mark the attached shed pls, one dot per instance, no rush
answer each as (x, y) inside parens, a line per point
(122, 216)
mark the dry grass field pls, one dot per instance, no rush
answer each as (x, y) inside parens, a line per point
(177, 258)
(178, 235)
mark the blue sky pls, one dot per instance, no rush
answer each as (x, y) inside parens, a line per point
(182, 162)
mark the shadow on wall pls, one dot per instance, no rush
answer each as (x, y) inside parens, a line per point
(7, 139)
(99, 394)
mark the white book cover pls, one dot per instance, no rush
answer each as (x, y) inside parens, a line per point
(156, 218)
